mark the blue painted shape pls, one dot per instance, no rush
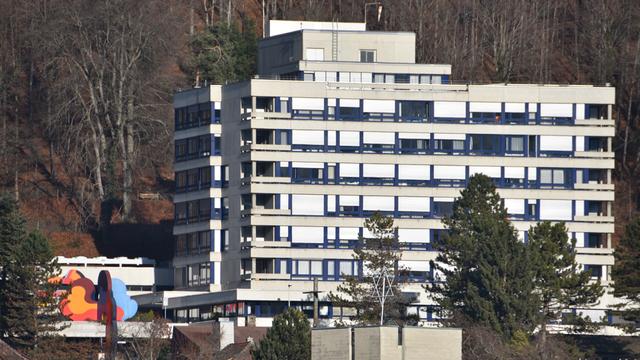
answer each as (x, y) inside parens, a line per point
(123, 300)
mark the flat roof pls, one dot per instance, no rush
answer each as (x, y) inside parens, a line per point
(277, 27)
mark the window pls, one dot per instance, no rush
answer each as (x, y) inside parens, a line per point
(448, 145)
(181, 180)
(414, 145)
(302, 267)
(348, 268)
(367, 56)
(307, 175)
(205, 176)
(484, 144)
(349, 112)
(196, 147)
(531, 208)
(554, 177)
(402, 78)
(595, 240)
(414, 109)
(595, 270)
(349, 205)
(225, 240)
(306, 268)
(597, 144)
(514, 144)
(181, 245)
(204, 209)
(442, 208)
(195, 115)
(203, 241)
(597, 111)
(331, 271)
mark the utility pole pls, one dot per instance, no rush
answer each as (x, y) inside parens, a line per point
(315, 293)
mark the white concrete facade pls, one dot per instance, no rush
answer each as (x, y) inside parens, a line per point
(275, 177)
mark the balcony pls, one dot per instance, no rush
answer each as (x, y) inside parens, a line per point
(594, 154)
(595, 122)
(265, 180)
(594, 218)
(267, 276)
(264, 147)
(264, 211)
(595, 251)
(265, 115)
(264, 244)
(593, 186)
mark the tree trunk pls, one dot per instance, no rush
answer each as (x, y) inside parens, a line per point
(15, 147)
(127, 148)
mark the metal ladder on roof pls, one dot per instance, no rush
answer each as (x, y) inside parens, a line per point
(334, 41)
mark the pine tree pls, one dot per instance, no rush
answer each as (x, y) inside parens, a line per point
(626, 272)
(559, 283)
(28, 306)
(289, 338)
(487, 273)
(379, 255)
(39, 265)
(12, 233)
(224, 53)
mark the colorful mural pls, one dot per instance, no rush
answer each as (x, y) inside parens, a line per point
(81, 300)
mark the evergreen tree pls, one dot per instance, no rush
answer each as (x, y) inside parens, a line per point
(559, 283)
(28, 306)
(379, 255)
(626, 272)
(289, 338)
(224, 53)
(486, 268)
(12, 233)
(38, 266)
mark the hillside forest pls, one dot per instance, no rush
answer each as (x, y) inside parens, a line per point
(86, 120)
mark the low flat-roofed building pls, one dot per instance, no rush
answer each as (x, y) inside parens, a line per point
(386, 343)
(140, 275)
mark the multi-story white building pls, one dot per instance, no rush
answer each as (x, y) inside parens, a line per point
(275, 175)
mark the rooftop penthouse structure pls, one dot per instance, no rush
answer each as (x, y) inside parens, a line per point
(276, 175)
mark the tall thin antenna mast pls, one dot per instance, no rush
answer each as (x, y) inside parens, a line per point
(384, 280)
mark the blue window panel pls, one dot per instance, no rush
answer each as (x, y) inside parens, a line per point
(587, 111)
(278, 132)
(278, 107)
(325, 115)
